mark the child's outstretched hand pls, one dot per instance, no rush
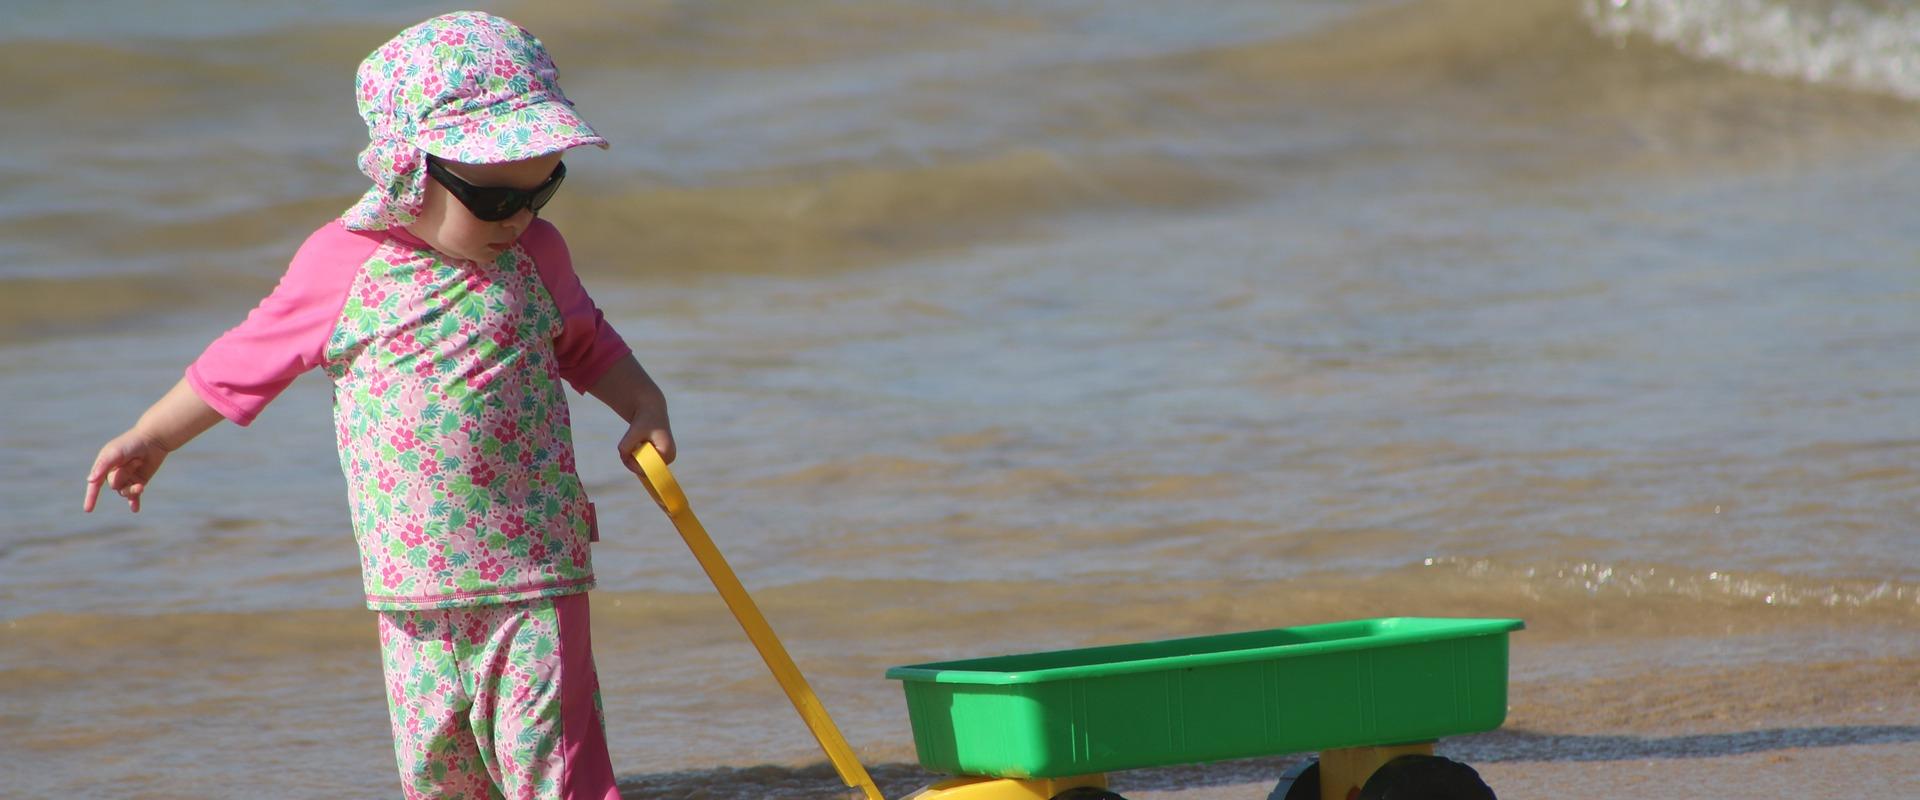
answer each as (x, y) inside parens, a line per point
(126, 464)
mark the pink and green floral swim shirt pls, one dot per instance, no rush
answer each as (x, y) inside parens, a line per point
(448, 408)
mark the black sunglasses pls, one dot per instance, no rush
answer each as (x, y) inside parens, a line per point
(495, 203)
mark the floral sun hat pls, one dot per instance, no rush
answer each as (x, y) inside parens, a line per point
(468, 87)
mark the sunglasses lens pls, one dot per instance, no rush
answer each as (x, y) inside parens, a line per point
(491, 203)
(545, 193)
(494, 205)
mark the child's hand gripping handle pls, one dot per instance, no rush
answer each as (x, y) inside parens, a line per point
(666, 491)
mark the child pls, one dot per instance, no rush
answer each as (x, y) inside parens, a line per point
(446, 313)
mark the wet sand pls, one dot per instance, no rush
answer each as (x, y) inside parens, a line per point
(1778, 730)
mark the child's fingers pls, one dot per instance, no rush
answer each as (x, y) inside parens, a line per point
(96, 476)
(629, 449)
(124, 475)
(108, 470)
(663, 442)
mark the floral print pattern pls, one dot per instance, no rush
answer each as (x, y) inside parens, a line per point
(453, 433)
(475, 697)
(468, 87)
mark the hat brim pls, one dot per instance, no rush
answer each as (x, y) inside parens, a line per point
(498, 135)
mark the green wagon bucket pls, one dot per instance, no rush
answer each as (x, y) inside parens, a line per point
(1315, 687)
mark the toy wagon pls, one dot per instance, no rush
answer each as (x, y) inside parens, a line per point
(1370, 695)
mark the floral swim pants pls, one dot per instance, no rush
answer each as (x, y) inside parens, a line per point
(496, 701)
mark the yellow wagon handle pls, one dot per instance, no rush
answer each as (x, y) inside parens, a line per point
(666, 491)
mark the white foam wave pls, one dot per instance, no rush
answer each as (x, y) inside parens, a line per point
(1871, 45)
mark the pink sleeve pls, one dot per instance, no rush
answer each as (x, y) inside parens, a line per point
(243, 370)
(587, 345)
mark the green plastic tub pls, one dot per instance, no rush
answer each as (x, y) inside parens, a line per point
(1343, 684)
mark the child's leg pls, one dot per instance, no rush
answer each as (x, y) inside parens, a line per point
(536, 710)
(429, 704)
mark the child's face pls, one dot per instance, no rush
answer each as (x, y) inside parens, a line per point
(447, 226)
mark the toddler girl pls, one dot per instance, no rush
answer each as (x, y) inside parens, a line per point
(447, 314)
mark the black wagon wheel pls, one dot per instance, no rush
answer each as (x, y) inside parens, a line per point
(1087, 793)
(1418, 777)
(1300, 782)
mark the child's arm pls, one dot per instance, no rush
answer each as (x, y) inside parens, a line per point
(127, 463)
(246, 368)
(630, 392)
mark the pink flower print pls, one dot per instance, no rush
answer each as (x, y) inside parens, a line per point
(412, 534)
(508, 430)
(453, 36)
(490, 569)
(503, 338)
(437, 564)
(467, 425)
(484, 474)
(526, 457)
(429, 466)
(413, 629)
(424, 368)
(390, 576)
(387, 480)
(403, 440)
(514, 526)
(538, 552)
(432, 84)
(377, 384)
(478, 282)
(579, 557)
(403, 344)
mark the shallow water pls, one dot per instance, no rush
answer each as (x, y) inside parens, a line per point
(991, 328)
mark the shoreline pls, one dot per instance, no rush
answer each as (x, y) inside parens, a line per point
(1777, 729)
